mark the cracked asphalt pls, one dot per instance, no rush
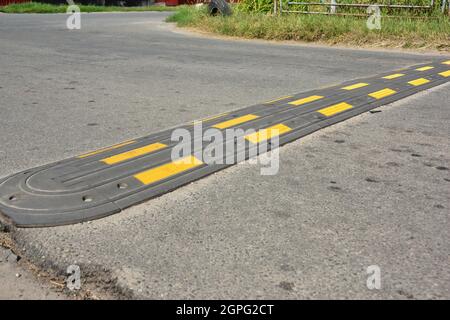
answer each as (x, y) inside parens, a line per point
(373, 190)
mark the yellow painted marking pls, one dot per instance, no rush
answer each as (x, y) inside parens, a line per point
(305, 100)
(446, 62)
(419, 81)
(382, 93)
(336, 108)
(210, 118)
(168, 170)
(355, 86)
(234, 122)
(279, 99)
(133, 153)
(267, 133)
(445, 73)
(425, 68)
(394, 76)
(106, 149)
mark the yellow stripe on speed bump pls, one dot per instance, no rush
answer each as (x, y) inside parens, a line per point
(355, 86)
(425, 68)
(419, 81)
(209, 118)
(446, 62)
(394, 76)
(278, 99)
(133, 153)
(445, 73)
(267, 133)
(106, 149)
(168, 170)
(305, 100)
(382, 93)
(235, 122)
(336, 108)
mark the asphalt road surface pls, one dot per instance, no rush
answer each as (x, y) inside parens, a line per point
(373, 190)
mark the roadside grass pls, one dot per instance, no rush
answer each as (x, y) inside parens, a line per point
(399, 32)
(34, 7)
(267, 6)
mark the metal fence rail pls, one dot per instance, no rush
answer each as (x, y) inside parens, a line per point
(362, 5)
(287, 7)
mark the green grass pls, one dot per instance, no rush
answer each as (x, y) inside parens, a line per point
(34, 7)
(267, 6)
(395, 32)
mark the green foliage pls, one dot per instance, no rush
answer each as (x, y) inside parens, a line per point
(260, 6)
(403, 32)
(34, 7)
(266, 6)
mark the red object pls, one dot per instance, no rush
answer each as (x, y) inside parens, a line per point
(172, 2)
(7, 2)
(180, 2)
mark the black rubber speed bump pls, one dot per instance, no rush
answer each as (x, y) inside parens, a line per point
(106, 181)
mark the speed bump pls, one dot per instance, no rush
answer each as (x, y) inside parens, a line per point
(336, 108)
(167, 170)
(393, 76)
(445, 73)
(234, 122)
(267, 133)
(355, 86)
(382, 93)
(418, 82)
(305, 100)
(105, 149)
(133, 153)
(108, 180)
(425, 68)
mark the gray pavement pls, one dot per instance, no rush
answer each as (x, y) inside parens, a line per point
(18, 282)
(370, 191)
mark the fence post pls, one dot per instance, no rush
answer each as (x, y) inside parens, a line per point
(333, 8)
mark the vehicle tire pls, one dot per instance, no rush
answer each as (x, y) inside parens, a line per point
(216, 7)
